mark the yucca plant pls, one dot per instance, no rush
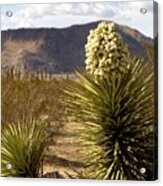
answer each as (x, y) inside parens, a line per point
(116, 116)
(23, 144)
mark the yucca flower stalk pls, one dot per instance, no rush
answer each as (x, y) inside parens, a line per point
(23, 144)
(106, 52)
(115, 112)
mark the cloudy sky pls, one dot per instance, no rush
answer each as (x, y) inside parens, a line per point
(65, 14)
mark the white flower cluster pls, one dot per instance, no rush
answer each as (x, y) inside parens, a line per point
(105, 51)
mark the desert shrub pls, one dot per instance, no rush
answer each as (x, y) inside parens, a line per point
(115, 109)
(23, 144)
(32, 97)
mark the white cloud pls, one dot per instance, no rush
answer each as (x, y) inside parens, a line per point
(39, 15)
(34, 11)
(40, 10)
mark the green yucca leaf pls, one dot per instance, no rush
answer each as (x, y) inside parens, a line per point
(23, 144)
(117, 122)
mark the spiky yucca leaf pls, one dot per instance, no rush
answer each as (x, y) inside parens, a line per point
(116, 118)
(23, 144)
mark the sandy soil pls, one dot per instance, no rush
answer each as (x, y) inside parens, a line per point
(62, 156)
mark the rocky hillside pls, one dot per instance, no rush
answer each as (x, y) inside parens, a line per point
(58, 50)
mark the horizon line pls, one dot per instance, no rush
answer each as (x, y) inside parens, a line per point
(80, 24)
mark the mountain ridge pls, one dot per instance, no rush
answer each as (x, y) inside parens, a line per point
(58, 50)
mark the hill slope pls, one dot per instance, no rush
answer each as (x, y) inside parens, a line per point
(58, 50)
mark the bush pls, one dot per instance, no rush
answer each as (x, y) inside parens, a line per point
(23, 145)
(32, 97)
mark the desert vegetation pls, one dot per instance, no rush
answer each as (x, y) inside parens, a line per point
(27, 95)
(114, 101)
(108, 109)
(23, 146)
(28, 100)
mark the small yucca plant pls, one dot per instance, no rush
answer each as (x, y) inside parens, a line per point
(23, 144)
(116, 116)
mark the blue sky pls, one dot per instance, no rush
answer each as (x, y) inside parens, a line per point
(65, 14)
